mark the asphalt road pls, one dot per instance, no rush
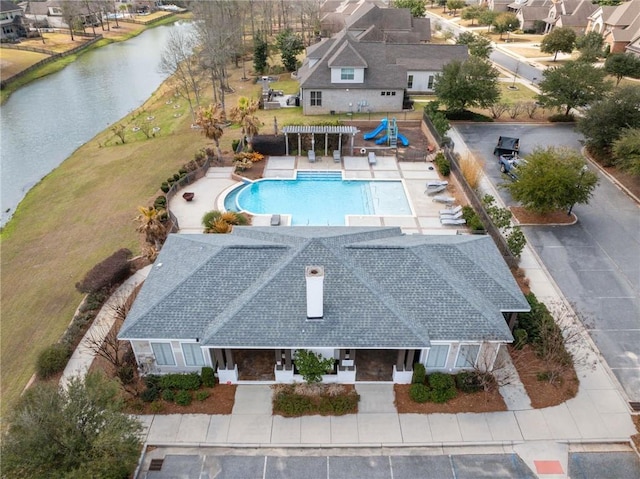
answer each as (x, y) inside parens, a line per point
(596, 262)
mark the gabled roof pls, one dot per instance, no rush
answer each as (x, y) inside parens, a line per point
(6, 6)
(382, 289)
(346, 56)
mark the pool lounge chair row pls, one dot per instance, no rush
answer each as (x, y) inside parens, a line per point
(452, 216)
(311, 155)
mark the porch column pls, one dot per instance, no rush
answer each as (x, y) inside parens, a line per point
(326, 144)
(353, 137)
(513, 317)
(299, 145)
(286, 145)
(340, 143)
(229, 357)
(401, 359)
(313, 141)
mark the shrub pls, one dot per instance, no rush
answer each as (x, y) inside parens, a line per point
(168, 395)
(312, 366)
(471, 217)
(543, 376)
(443, 387)
(160, 203)
(109, 272)
(561, 118)
(442, 163)
(150, 394)
(419, 392)
(165, 187)
(183, 398)
(156, 407)
(292, 404)
(125, 373)
(339, 405)
(521, 338)
(469, 382)
(419, 374)
(234, 145)
(190, 381)
(202, 394)
(52, 360)
(208, 377)
(152, 381)
(471, 170)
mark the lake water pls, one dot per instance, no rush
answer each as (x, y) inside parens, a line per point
(45, 121)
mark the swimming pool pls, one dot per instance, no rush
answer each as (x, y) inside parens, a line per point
(318, 198)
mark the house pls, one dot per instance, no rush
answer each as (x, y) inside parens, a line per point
(573, 14)
(619, 26)
(530, 12)
(10, 21)
(346, 74)
(334, 13)
(499, 6)
(343, 292)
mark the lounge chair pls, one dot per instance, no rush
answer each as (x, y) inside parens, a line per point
(449, 222)
(435, 189)
(455, 216)
(312, 156)
(449, 200)
(451, 211)
(437, 183)
(372, 158)
(275, 220)
(336, 156)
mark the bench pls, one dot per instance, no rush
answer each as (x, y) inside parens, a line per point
(336, 156)
(372, 158)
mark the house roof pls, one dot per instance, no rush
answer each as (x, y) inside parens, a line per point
(6, 6)
(386, 62)
(382, 289)
(346, 56)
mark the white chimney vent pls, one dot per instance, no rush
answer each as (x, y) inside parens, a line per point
(314, 276)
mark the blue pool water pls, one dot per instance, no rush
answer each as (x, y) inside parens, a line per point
(320, 198)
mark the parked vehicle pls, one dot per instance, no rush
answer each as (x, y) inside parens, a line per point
(507, 146)
(509, 164)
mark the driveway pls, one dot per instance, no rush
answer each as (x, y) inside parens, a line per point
(596, 262)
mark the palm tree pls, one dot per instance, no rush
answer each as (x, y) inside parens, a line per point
(244, 115)
(212, 120)
(222, 222)
(150, 224)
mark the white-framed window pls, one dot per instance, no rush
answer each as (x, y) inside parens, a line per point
(316, 98)
(163, 354)
(410, 82)
(430, 82)
(192, 354)
(347, 74)
(467, 355)
(437, 357)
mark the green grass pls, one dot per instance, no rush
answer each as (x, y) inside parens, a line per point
(512, 96)
(289, 87)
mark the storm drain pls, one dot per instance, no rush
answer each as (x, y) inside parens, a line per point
(156, 464)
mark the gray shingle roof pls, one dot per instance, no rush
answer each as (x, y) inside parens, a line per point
(382, 289)
(346, 56)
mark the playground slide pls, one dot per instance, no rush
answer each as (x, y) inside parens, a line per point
(401, 138)
(380, 128)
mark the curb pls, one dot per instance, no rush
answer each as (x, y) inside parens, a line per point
(611, 178)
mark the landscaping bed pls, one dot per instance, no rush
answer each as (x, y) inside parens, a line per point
(464, 402)
(525, 217)
(294, 400)
(220, 401)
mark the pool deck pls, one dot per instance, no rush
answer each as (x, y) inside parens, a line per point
(209, 191)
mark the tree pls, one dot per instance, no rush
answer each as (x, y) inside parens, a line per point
(416, 7)
(69, 12)
(626, 151)
(244, 115)
(177, 59)
(212, 120)
(260, 53)
(505, 22)
(560, 39)
(222, 222)
(438, 118)
(77, 432)
(605, 121)
(464, 84)
(472, 12)
(150, 224)
(590, 46)
(290, 45)
(311, 365)
(487, 17)
(478, 45)
(575, 84)
(455, 5)
(622, 65)
(552, 179)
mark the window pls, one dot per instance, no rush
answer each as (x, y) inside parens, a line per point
(192, 354)
(163, 354)
(410, 82)
(437, 357)
(430, 82)
(347, 74)
(316, 98)
(467, 355)
(393, 93)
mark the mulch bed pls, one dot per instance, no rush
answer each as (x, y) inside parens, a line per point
(220, 401)
(525, 217)
(542, 393)
(463, 402)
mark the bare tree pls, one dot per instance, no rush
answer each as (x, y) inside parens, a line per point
(531, 107)
(497, 109)
(178, 60)
(69, 12)
(515, 109)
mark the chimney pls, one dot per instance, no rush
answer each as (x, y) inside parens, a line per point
(314, 276)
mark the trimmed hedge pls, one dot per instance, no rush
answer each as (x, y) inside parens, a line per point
(419, 374)
(189, 381)
(420, 392)
(109, 272)
(208, 377)
(288, 403)
(52, 360)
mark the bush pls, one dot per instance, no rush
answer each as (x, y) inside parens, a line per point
(156, 407)
(419, 374)
(443, 387)
(339, 405)
(419, 392)
(168, 395)
(125, 373)
(165, 187)
(160, 203)
(292, 404)
(442, 163)
(521, 338)
(109, 272)
(234, 145)
(183, 398)
(202, 394)
(152, 381)
(52, 360)
(469, 382)
(561, 118)
(471, 217)
(150, 394)
(190, 381)
(208, 377)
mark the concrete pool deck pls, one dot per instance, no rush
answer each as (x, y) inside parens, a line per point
(209, 191)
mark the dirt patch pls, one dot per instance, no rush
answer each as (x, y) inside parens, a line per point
(463, 402)
(632, 183)
(525, 217)
(542, 393)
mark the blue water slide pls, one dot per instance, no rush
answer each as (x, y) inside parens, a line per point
(382, 141)
(403, 139)
(380, 128)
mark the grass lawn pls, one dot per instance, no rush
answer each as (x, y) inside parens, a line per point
(14, 61)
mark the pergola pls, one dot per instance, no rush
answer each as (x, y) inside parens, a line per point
(320, 130)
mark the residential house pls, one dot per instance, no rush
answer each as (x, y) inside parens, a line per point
(334, 13)
(573, 14)
(345, 74)
(499, 6)
(530, 12)
(619, 26)
(347, 293)
(10, 21)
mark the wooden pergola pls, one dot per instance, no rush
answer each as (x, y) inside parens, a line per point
(320, 130)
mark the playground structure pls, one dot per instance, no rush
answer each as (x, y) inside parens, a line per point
(392, 134)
